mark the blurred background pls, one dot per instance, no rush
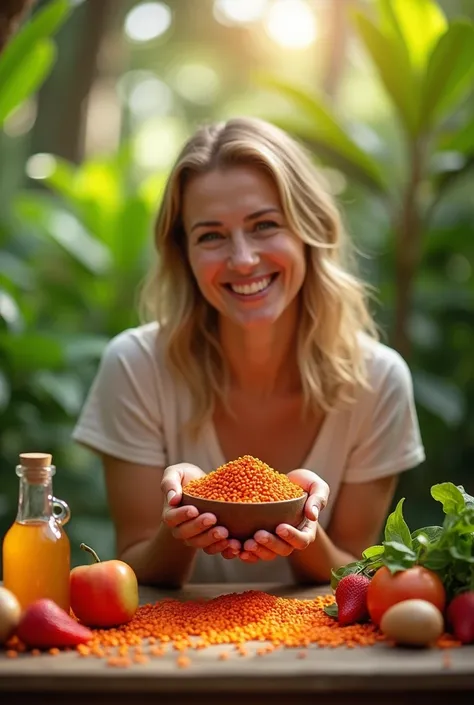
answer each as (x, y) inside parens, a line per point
(96, 98)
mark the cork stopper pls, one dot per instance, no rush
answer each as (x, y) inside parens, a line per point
(35, 460)
(36, 467)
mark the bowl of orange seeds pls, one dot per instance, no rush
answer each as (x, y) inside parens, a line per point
(247, 495)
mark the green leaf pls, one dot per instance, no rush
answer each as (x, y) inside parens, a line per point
(64, 387)
(468, 499)
(437, 559)
(348, 569)
(396, 528)
(42, 25)
(450, 496)
(133, 230)
(431, 533)
(10, 313)
(462, 140)
(62, 179)
(373, 552)
(440, 396)
(450, 72)
(398, 556)
(462, 550)
(27, 75)
(66, 230)
(393, 66)
(314, 122)
(32, 351)
(419, 24)
(83, 348)
(332, 610)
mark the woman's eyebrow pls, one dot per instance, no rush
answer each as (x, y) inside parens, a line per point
(218, 223)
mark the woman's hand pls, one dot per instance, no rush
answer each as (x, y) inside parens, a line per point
(186, 524)
(266, 546)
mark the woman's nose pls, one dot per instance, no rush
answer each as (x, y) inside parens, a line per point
(243, 255)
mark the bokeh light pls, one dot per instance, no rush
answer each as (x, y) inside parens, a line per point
(147, 21)
(157, 143)
(231, 12)
(291, 24)
(197, 83)
(40, 166)
(150, 97)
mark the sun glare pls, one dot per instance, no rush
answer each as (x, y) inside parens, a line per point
(291, 24)
(238, 11)
(147, 21)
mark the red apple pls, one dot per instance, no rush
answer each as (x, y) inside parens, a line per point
(105, 593)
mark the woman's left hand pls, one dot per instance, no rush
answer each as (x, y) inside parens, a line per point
(266, 546)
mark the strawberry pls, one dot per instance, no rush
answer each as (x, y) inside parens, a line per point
(44, 625)
(351, 598)
(460, 615)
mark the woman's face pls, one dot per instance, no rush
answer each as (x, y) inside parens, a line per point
(247, 263)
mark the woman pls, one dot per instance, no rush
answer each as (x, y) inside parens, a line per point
(260, 343)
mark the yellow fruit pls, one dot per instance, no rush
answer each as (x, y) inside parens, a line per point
(10, 613)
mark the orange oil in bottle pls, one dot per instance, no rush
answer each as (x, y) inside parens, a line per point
(36, 562)
(36, 549)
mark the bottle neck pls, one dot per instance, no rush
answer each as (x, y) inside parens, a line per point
(36, 495)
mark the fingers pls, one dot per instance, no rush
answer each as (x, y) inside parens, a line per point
(173, 479)
(249, 557)
(232, 550)
(218, 547)
(318, 496)
(191, 528)
(313, 506)
(173, 517)
(267, 546)
(229, 548)
(315, 487)
(298, 539)
(206, 539)
(255, 549)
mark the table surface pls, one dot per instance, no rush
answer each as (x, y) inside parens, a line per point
(359, 670)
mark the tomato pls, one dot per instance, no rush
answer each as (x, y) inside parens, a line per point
(387, 589)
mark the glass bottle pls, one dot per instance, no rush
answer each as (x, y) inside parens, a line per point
(36, 549)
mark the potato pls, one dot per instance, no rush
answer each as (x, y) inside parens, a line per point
(413, 622)
(10, 613)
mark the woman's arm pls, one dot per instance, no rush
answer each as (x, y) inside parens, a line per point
(358, 518)
(143, 541)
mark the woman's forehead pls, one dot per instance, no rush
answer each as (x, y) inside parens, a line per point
(231, 191)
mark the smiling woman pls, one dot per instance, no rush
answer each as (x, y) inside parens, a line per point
(260, 343)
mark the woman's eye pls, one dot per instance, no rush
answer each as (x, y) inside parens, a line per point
(209, 237)
(266, 225)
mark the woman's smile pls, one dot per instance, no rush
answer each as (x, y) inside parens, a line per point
(252, 289)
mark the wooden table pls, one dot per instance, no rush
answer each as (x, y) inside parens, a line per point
(378, 674)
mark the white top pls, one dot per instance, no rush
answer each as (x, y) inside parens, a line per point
(135, 411)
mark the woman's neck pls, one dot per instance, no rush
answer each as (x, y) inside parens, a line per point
(263, 361)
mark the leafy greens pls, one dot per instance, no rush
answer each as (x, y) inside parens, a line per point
(448, 550)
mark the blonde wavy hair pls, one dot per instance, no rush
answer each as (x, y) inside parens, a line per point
(334, 309)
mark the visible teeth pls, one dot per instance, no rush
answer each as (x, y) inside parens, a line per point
(254, 288)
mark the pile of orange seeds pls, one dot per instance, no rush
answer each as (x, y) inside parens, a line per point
(237, 619)
(246, 479)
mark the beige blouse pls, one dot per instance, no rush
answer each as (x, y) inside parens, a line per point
(135, 411)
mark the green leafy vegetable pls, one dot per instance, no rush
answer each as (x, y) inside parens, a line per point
(396, 528)
(447, 550)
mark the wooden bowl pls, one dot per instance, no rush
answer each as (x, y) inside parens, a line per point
(243, 519)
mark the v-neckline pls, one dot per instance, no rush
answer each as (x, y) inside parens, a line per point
(309, 462)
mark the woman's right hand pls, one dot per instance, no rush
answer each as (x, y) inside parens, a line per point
(186, 524)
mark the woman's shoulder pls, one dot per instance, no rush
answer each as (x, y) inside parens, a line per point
(135, 343)
(384, 364)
